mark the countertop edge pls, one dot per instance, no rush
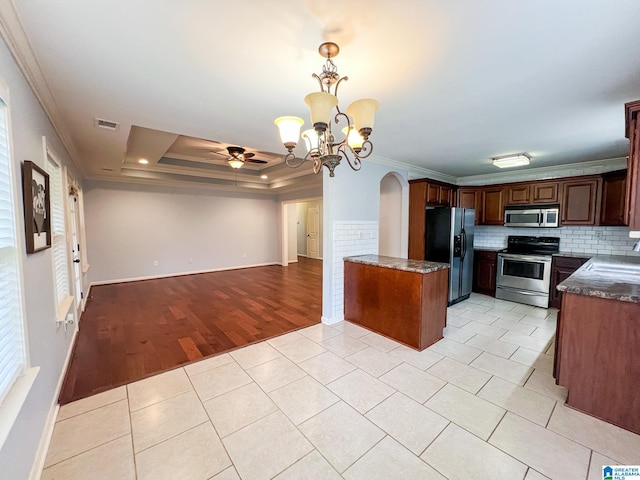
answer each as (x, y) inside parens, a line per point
(403, 264)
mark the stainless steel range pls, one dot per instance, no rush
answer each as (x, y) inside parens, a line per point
(524, 269)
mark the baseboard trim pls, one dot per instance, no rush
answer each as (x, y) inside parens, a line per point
(47, 433)
(181, 274)
(332, 320)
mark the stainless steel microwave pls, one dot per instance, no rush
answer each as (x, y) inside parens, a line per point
(532, 216)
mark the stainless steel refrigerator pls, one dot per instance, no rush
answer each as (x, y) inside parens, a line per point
(449, 239)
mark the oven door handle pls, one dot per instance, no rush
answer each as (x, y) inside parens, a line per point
(523, 292)
(525, 258)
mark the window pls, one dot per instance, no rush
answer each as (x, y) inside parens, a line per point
(58, 237)
(12, 349)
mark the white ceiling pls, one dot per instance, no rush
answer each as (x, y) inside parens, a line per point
(458, 81)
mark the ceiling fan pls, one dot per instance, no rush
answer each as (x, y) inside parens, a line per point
(236, 157)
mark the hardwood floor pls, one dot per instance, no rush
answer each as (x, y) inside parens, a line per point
(130, 331)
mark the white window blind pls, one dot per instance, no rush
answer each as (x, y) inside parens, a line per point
(12, 349)
(58, 232)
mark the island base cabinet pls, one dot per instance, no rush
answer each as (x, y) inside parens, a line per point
(598, 358)
(408, 307)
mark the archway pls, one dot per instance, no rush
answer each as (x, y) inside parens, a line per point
(393, 224)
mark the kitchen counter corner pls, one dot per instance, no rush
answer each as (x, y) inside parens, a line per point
(407, 265)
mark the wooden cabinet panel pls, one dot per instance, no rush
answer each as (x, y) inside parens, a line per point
(519, 195)
(632, 214)
(492, 206)
(580, 201)
(614, 187)
(484, 272)
(445, 195)
(417, 219)
(433, 193)
(561, 269)
(469, 197)
(544, 192)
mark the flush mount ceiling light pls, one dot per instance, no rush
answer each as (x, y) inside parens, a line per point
(143, 161)
(508, 161)
(322, 146)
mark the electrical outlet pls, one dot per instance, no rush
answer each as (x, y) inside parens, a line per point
(155, 263)
(598, 235)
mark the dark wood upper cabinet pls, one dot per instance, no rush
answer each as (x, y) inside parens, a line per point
(417, 219)
(632, 131)
(445, 196)
(471, 197)
(492, 206)
(614, 188)
(519, 194)
(545, 192)
(580, 201)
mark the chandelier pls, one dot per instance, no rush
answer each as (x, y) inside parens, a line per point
(322, 146)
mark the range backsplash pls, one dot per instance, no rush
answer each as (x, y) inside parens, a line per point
(587, 240)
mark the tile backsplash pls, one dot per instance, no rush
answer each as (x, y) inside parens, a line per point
(587, 240)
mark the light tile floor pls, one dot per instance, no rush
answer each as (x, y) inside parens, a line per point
(330, 402)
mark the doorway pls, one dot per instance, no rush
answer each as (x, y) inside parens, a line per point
(393, 227)
(74, 216)
(302, 230)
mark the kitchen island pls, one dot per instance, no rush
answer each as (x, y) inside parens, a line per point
(405, 300)
(598, 340)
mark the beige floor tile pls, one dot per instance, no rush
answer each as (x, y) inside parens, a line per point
(275, 374)
(456, 321)
(253, 355)
(266, 447)
(457, 334)
(529, 310)
(284, 339)
(311, 467)
(91, 403)
(509, 323)
(299, 350)
(600, 436)
(106, 462)
(378, 341)
(219, 380)
(207, 364)
(422, 360)
(91, 429)
(480, 318)
(387, 460)
(597, 462)
(196, 454)
(238, 408)
(228, 474)
(455, 350)
(533, 359)
(410, 423)
(319, 332)
(160, 421)
(526, 341)
(488, 344)
(413, 382)
(351, 329)
(503, 368)
(341, 434)
(545, 451)
(544, 333)
(361, 390)
(502, 313)
(459, 455)
(521, 401)
(466, 410)
(373, 361)
(303, 399)
(464, 376)
(343, 345)
(157, 388)
(476, 305)
(326, 367)
(539, 321)
(533, 475)
(545, 384)
(487, 330)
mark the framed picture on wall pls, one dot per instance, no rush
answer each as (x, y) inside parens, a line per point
(37, 207)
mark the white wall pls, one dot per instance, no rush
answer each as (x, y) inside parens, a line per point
(48, 344)
(131, 226)
(390, 236)
(292, 229)
(351, 197)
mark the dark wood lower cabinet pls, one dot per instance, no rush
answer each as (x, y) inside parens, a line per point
(561, 269)
(598, 358)
(484, 272)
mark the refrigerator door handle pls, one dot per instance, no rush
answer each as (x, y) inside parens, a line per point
(464, 245)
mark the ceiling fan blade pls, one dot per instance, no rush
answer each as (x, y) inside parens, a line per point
(254, 160)
(248, 155)
(222, 153)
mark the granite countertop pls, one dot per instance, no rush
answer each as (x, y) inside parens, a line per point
(573, 254)
(599, 278)
(417, 266)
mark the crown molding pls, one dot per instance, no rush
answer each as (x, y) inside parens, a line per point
(16, 39)
(415, 172)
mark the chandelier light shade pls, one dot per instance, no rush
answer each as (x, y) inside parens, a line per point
(235, 163)
(508, 161)
(322, 146)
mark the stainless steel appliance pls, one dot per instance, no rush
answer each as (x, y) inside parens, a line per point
(449, 239)
(524, 269)
(532, 216)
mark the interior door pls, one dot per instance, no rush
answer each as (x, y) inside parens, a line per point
(75, 253)
(313, 227)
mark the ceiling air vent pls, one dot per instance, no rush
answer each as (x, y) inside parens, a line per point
(108, 124)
